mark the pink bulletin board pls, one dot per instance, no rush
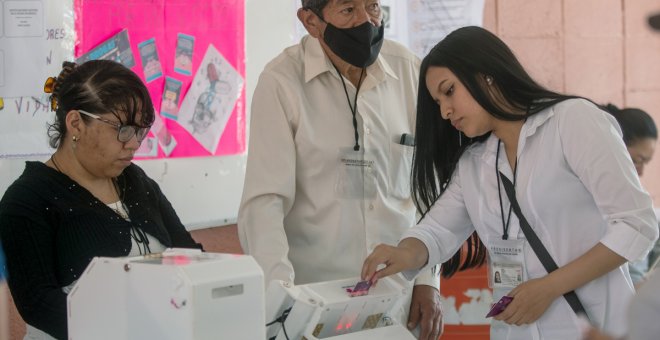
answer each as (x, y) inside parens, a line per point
(211, 22)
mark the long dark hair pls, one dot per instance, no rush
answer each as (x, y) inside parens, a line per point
(99, 86)
(635, 123)
(470, 53)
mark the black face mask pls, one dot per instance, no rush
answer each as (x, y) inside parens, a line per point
(358, 46)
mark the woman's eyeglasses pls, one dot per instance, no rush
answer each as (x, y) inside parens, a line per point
(124, 132)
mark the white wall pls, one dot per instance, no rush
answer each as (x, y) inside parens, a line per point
(206, 191)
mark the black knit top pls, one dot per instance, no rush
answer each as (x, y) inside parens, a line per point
(51, 228)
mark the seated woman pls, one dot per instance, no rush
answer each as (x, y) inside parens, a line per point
(640, 136)
(88, 199)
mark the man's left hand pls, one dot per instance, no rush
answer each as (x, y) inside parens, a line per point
(426, 311)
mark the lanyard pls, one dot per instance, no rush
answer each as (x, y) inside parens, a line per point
(353, 108)
(505, 225)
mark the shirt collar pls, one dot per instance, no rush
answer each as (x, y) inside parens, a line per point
(535, 121)
(316, 63)
(530, 127)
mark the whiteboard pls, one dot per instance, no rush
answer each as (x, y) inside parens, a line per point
(206, 191)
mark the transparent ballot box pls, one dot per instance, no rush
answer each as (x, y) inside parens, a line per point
(328, 310)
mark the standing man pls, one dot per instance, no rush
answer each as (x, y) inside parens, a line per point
(328, 171)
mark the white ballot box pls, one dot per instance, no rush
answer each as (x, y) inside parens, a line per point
(180, 294)
(325, 310)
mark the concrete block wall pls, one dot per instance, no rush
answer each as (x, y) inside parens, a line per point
(600, 49)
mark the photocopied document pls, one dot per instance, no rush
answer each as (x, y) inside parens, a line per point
(36, 36)
(211, 99)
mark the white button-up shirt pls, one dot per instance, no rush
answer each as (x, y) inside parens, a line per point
(577, 187)
(292, 218)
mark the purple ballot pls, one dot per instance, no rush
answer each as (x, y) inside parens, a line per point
(361, 288)
(499, 306)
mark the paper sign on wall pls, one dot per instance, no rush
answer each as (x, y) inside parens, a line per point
(211, 99)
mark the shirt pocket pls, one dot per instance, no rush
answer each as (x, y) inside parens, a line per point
(400, 170)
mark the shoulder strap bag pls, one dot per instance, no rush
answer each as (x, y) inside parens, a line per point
(539, 249)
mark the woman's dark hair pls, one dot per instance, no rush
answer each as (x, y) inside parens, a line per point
(99, 86)
(635, 124)
(471, 54)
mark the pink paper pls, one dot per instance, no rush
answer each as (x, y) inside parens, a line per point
(220, 22)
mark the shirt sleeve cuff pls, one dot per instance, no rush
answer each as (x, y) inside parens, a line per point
(429, 277)
(631, 246)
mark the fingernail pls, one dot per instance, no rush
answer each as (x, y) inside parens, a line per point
(410, 326)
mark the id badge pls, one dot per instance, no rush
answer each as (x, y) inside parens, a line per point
(506, 263)
(356, 177)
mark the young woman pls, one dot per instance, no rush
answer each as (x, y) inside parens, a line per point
(485, 126)
(88, 199)
(639, 133)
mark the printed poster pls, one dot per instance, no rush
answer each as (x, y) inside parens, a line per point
(117, 48)
(171, 94)
(211, 99)
(35, 38)
(185, 46)
(150, 62)
(431, 20)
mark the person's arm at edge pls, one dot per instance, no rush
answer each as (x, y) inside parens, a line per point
(34, 287)
(437, 237)
(269, 188)
(409, 254)
(602, 163)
